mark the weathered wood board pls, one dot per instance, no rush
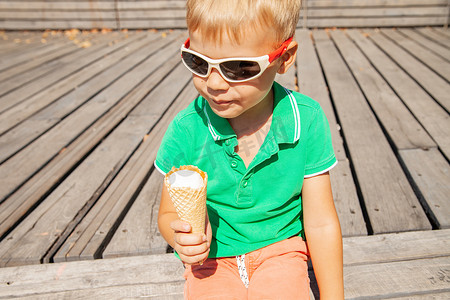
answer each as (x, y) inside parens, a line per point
(137, 14)
(38, 185)
(426, 42)
(37, 115)
(406, 265)
(405, 246)
(435, 85)
(138, 233)
(95, 230)
(399, 123)
(311, 82)
(427, 111)
(431, 173)
(390, 207)
(127, 277)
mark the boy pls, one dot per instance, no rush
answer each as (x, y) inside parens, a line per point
(267, 153)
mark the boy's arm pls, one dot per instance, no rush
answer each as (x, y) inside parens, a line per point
(192, 248)
(323, 235)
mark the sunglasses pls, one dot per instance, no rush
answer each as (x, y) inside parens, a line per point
(237, 69)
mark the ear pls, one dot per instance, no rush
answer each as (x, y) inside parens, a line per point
(288, 58)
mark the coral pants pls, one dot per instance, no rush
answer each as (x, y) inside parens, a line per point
(278, 271)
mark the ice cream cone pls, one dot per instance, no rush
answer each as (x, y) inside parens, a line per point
(187, 189)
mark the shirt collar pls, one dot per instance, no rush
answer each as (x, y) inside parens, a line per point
(285, 119)
(286, 116)
(219, 128)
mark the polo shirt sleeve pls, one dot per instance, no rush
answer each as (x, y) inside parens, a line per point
(173, 149)
(320, 156)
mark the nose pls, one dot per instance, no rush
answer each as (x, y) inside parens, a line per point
(216, 82)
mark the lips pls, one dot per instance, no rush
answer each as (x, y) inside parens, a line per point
(221, 102)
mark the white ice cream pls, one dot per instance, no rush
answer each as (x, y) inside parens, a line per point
(186, 178)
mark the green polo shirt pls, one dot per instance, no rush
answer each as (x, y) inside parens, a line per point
(253, 207)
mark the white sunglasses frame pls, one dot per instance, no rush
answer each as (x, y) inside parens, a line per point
(263, 61)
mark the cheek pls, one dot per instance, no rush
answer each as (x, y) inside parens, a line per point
(199, 83)
(197, 80)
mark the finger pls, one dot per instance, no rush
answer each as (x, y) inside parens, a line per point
(180, 226)
(189, 239)
(195, 259)
(191, 250)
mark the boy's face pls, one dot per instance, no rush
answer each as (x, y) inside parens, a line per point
(230, 99)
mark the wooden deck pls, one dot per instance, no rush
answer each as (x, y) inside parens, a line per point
(163, 14)
(82, 115)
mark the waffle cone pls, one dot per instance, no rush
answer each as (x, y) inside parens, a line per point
(190, 203)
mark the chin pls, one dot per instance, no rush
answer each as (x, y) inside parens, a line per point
(226, 113)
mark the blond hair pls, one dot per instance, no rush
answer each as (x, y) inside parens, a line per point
(213, 18)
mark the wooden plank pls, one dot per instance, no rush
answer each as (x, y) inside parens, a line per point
(397, 279)
(43, 82)
(436, 36)
(150, 275)
(390, 201)
(67, 65)
(52, 105)
(312, 84)
(434, 62)
(375, 22)
(431, 173)
(82, 117)
(155, 274)
(143, 161)
(43, 15)
(30, 242)
(152, 291)
(151, 14)
(57, 5)
(443, 31)
(432, 296)
(25, 54)
(35, 188)
(63, 24)
(152, 4)
(432, 117)
(398, 122)
(155, 23)
(435, 85)
(427, 43)
(138, 233)
(374, 3)
(16, 42)
(409, 265)
(97, 227)
(17, 73)
(384, 12)
(49, 144)
(404, 246)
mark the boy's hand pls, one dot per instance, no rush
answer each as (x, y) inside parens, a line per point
(193, 248)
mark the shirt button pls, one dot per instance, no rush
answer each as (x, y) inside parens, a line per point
(228, 142)
(245, 184)
(234, 164)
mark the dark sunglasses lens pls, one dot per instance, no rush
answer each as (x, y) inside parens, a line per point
(240, 70)
(195, 63)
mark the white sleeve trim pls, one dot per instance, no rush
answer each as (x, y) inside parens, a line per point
(159, 170)
(321, 172)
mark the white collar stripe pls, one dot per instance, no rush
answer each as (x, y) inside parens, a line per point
(296, 114)
(215, 136)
